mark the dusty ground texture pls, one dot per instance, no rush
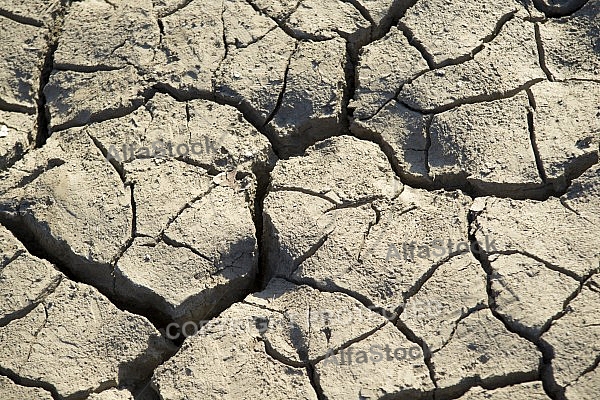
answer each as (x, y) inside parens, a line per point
(300, 199)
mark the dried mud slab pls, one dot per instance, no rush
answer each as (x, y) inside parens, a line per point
(506, 65)
(383, 364)
(11, 391)
(34, 12)
(310, 107)
(585, 387)
(65, 337)
(22, 51)
(523, 391)
(455, 31)
(79, 98)
(402, 133)
(127, 35)
(469, 144)
(152, 244)
(564, 243)
(527, 294)
(214, 137)
(291, 327)
(302, 325)
(327, 224)
(76, 341)
(571, 43)
(168, 255)
(314, 20)
(482, 351)
(112, 394)
(84, 229)
(230, 362)
(384, 66)
(191, 46)
(17, 136)
(566, 128)
(457, 288)
(574, 340)
(254, 76)
(161, 221)
(24, 279)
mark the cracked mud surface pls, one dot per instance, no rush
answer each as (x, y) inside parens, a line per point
(298, 199)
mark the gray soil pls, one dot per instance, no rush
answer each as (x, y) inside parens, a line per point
(299, 199)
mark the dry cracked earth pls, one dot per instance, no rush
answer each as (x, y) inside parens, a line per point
(300, 199)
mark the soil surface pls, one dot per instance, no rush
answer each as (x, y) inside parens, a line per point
(300, 199)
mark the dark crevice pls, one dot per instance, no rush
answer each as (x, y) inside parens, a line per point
(544, 371)
(21, 19)
(282, 24)
(428, 124)
(542, 53)
(362, 10)
(350, 72)
(43, 117)
(22, 232)
(411, 336)
(283, 88)
(487, 39)
(532, 138)
(564, 8)
(17, 380)
(85, 69)
(224, 36)
(4, 106)
(410, 36)
(482, 98)
(133, 211)
(145, 390)
(315, 382)
(413, 290)
(303, 191)
(182, 4)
